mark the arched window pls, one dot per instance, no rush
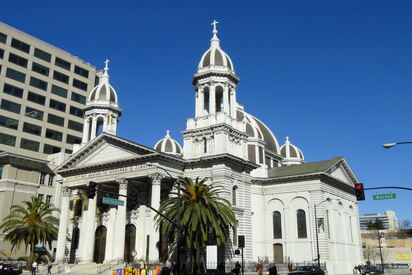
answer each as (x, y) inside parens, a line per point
(301, 221)
(204, 145)
(277, 225)
(234, 195)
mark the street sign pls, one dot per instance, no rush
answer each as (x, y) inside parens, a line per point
(112, 201)
(390, 196)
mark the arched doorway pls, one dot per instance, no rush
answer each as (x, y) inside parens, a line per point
(100, 244)
(278, 253)
(129, 242)
(74, 245)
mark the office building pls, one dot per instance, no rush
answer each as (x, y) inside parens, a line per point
(388, 219)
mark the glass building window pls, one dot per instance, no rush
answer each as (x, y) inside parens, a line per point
(57, 120)
(20, 45)
(33, 113)
(50, 149)
(277, 225)
(36, 98)
(40, 196)
(73, 139)
(1, 53)
(48, 198)
(35, 67)
(68, 151)
(29, 144)
(80, 84)
(75, 126)
(32, 129)
(7, 139)
(18, 60)
(3, 38)
(59, 91)
(76, 111)
(60, 106)
(234, 195)
(13, 90)
(61, 77)
(13, 74)
(301, 222)
(52, 134)
(9, 122)
(78, 98)
(38, 83)
(81, 71)
(10, 106)
(62, 63)
(42, 179)
(50, 183)
(42, 55)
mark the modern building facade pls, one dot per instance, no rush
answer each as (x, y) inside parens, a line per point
(273, 191)
(388, 219)
(43, 92)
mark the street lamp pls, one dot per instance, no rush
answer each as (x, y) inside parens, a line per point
(316, 224)
(390, 145)
(179, 202)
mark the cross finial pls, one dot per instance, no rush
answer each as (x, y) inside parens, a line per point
(106, 62)
(214, 23)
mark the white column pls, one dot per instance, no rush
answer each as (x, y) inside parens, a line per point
(86, 128)
(233, 103)
(120, 227)
(226, 100)
(108, 254)
(94, 129)
(212, 99)
(64, 220)
(89, 227)
(201, 101)
(155, 203)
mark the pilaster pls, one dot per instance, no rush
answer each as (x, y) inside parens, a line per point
(155, 203)
(64, 219)
(120, 229)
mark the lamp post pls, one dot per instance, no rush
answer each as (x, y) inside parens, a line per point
(390, 145)
(179, 202)
(316, 224)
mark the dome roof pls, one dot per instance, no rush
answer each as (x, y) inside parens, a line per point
(257, 129)
(103, 93)
(291, 152)
(215, 58)
(168, 145)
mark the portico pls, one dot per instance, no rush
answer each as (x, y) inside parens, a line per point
(101, 227)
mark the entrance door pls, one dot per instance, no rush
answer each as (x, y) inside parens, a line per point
(100, 244)
(74, 245)
(278, 253)
(129, 242)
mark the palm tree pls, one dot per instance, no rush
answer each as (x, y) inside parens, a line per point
(204, 214)
(31, 223)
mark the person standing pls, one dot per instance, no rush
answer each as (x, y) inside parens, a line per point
(273, 270)
(236, 270)
(34, 267)
(259, 268)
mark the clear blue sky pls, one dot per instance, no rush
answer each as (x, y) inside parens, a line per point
(334, 76)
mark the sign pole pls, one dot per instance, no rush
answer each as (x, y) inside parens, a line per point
(243, 264)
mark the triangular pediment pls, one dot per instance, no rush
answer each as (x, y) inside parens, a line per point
(342, 172)
(103, 150)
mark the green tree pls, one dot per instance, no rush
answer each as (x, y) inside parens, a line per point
(377, 224)
(205, 214)
(31, 223)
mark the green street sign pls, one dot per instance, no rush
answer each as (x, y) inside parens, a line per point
(390, 196)
(111, 201)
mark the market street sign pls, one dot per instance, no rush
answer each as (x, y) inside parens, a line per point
(390, 196)
(112, 201)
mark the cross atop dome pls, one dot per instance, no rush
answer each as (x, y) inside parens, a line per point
(215, 41)
(105, 76)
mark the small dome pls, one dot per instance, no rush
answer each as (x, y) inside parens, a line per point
(291, 153)
(103, 93)
(168, 145)
(215, 58)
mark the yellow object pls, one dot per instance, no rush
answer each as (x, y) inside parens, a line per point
(403, 256)
(114, 272)
(8, 255)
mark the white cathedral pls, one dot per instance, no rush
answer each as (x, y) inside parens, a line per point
(273, 191)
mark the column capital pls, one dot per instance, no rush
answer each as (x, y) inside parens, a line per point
(66, 191)
(156, 178)
(122, 183)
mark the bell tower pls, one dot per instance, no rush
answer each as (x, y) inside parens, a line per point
(215, 128)
(102, 111)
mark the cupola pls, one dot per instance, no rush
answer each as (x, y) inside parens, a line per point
(291, 153)
(168, 145)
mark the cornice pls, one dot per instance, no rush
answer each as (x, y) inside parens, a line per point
(203, 75)
(226, 158)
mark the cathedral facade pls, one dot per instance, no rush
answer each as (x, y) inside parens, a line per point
(274, 193)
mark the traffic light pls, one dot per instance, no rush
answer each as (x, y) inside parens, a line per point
(359, 192)
(134, 200)
(91, 190)
(241, 241)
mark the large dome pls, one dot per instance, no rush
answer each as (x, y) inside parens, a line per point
(103, 93)
(257, 129)
(215, 58)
